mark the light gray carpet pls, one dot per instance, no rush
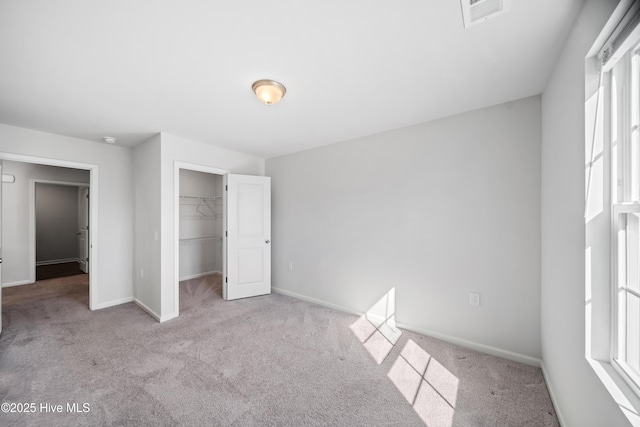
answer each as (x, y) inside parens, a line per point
(265, 361)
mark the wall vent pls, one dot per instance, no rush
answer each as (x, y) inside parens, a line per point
(477, 11)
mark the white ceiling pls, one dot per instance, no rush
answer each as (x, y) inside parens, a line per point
(132, 68)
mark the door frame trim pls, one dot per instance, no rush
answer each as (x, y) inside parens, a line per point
(177, 165)
(32, 219)
(93, 207)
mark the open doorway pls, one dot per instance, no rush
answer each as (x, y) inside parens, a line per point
(61, 226)
(19, 220)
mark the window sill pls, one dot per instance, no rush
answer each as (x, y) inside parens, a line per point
(624, 397)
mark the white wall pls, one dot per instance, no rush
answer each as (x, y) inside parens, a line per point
(146, 178)
(436, 210)
(115, 223)
(581, 397)
(15, 214)
(56, 208)
(174, 149)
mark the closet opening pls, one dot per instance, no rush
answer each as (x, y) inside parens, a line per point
(200, 228)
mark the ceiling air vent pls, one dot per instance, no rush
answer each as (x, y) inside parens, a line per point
(477, 11)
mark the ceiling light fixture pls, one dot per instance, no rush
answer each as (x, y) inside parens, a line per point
(110, 139)
(268, 91)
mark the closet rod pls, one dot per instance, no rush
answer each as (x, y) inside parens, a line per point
(201, 198)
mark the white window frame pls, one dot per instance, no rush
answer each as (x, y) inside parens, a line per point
(625, 199)
(619, 298)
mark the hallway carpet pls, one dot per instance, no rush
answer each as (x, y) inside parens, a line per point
(264, 361)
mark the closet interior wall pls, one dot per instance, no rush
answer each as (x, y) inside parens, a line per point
(200, 224)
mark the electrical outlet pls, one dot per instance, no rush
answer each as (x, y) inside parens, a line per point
(290, 265)
(474, 299)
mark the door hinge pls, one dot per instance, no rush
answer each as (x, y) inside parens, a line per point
(226, 188)
(226, 234)
(87, 259)
(226, 280)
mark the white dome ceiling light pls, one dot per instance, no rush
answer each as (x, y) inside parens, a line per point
(268, 91)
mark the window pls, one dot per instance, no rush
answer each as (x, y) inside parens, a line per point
(625, 201)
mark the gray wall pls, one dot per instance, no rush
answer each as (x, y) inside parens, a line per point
(436, 210)
(56, 222)
(146, 176)
(582, 399)
(15, 214)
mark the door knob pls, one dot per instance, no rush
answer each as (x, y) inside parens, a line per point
(267, 241)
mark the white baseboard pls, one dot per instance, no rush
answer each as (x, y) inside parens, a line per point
(143, 306)
(552, 394)
(505, 354)
(198, 275)
(57, 261)
(168, 317)
(147, 309)
(482, 348)
(113, 303)
(18, 283)
(317, 301)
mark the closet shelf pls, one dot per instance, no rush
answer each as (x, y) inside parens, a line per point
(196, 239)
(201, 217)
(204, 206)
(201, 198)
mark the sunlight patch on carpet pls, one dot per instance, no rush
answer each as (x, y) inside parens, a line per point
(378, 347)
(383, 316)
(427, 385)
(377, 329)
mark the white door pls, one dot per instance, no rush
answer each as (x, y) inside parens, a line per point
(83, 228)
(248, 236)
